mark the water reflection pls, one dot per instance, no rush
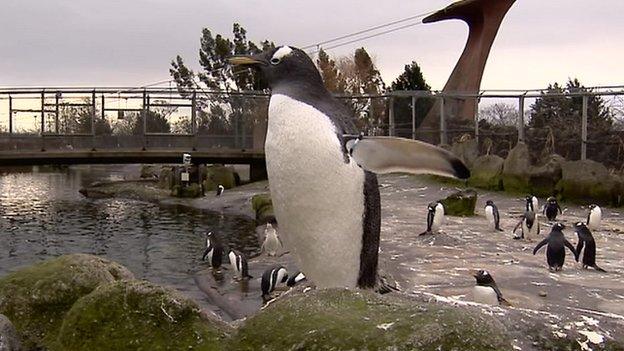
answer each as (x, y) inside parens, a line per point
(42, 215)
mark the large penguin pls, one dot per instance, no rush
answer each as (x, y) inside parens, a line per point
(435, 218)
(551, 208)
(492, 215)
(325, 194)
(586, 247)
(214, 250)
(486, 291)
(594, 217)
(555, 252)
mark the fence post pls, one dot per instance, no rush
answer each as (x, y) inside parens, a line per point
(194, 118)
(521, 119)
(10, 115)
(103, 108)
(93, 120)
(144, 117)
(391, 117)
(371, 116)
(414, 117)
(476, 119)
(42, 120)
(56, 111)
(443, 139)
(584, 129)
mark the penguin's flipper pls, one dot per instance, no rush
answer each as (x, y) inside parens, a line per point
(579, 247)
(539, 246)
(390, 154)
(206, 253)
(569, 246)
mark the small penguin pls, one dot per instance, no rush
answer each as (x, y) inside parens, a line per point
(555, 252)
(271, 278)
(586, 242)
(295, 279)
(594, 217)
(220, 190)
(551, 208)
(239, 264)
(435, 217)
(486, 291)
(528, 222)
(272, 243)
(214, 251)
(491, 213)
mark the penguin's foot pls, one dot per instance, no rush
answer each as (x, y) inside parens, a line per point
(384, 287)
(599, 269)
(425, 233)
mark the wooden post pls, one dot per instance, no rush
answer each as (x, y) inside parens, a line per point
(584, 129)
(443, 139)
(414, 117)
(476, 120)
(391, 117)
(10, 115)
(521, 119)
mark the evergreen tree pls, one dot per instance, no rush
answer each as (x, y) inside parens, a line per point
(411, 79)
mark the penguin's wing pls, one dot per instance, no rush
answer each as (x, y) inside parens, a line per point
(539, 246)
(499, 295)
(430, 215)
(381, 154)
(518, 225)
(579, 247)
(496, 216)
(569, 246)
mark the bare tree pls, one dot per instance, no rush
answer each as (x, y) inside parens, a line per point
(500, 114)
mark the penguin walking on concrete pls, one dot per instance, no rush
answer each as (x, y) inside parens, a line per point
(586, 247)
(435, 218)
(551, 208)
(555, 252)
(220, 190)
(528, 222)
(214, 251)
(594, 217)
(272, 243)
(325, 194)
(271, 278)
(532, 203)
(239, 264)
(491, 213)
(295, 279)
(486, 291)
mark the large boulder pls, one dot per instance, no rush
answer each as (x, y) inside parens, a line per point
(9, 340)
(339, 319)
(138, 315)
(516, 169)
(467, 150)
(36, 298)
(588, 181)
(217, 174)
(263, 207)
(460, 203)
(543, 179)
(486, 173)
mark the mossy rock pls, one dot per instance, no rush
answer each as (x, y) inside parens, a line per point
(516, 169)
(543, 179)
(263, 207)
(149, 171)
(36, 298)
(467, 151)
(460, 203)
(588, 181)
(486, 173)
(138, 315)
(216, 174)
(339, 319)
(191, 190)
(166, 178)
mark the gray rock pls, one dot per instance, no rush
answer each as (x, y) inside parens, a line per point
(486, 172)
(460, 203)
(9, 340)
(516, 169)
(467, 151)
(588, 181)
(543, 179)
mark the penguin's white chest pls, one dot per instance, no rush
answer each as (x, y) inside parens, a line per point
(489, 215)
(438, 218)
(595, 217)
(318, 198)
(271, 243)
(485, 295)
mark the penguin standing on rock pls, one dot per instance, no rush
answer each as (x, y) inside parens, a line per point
(551, 209)
(491, 213)
(239, 264)
(586, 247)
(594, 217)
(220, 190)
(486, 291)
(214, 251)
(271, 278)
(555, 252)
(320, 170)
(272, 244)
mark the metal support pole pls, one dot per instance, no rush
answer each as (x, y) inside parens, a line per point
(56, 112)
(584, 129)
(10, 115)
(414, 117)
(521, 119)
(194, 119)
(443, 138)
(476, 120)
(103, 108)
(144, 118)
(42, 121)
(371, 114)
(93, 121)
(391, 117)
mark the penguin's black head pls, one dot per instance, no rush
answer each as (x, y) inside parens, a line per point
(552, 200)
(483, 277)
(579, 225)
(558, 226)
(489, 202)
(592, 206)
(282, 65)
(432, 206)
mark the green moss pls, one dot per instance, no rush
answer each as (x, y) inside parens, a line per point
(461, 203)
(360, 320)
(598, 191)
(137, 315)
(516, 184)
(215, 175)
(263, 207)
(486, 173)
(37, 297)
(191, 190)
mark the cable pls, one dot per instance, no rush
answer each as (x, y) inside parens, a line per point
(367, 30)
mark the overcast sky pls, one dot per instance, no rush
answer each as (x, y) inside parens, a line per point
(131, 42)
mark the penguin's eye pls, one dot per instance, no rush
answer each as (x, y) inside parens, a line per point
(275, 60)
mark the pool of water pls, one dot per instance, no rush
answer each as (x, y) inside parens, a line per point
(42, 215)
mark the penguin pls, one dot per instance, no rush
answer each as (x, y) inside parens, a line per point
(528, 222)
(272, 243)
(491, 213)
(220, 190)
(594, 217)
(239, 264)
(214, 251)
(271, 278)
(551, 209)
(586, 242)
(323, 173)
(555, 252)
(486, 291)
(435, 217)
(532, 203)
(295, 279)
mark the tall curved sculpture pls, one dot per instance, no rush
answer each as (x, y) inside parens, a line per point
(483, 17)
